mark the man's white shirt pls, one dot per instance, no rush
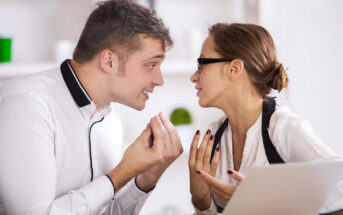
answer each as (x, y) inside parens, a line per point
(55, 149)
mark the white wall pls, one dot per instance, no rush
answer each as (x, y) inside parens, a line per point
(37, 25)
(308, 35)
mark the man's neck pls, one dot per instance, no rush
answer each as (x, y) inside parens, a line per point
(92, 81)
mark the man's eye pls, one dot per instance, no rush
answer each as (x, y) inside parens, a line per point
(151, 66)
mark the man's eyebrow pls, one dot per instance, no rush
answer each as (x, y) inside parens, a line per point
(161, 56)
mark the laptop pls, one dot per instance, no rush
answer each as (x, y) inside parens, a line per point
(285, 189)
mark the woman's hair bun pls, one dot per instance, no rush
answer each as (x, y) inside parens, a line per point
(280, 78)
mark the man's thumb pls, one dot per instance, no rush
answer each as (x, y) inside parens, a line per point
(145, 135)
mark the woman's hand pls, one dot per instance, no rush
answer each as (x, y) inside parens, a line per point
(199, 159)
(220, 190)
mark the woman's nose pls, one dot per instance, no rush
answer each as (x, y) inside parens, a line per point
(194, 77)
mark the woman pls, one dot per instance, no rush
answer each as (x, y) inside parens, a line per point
(237, 69)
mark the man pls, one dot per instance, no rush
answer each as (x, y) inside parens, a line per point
(59, 146)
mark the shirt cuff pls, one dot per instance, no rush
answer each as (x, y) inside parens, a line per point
(211, 209)
(130, 198)
(141, 189)
(91, 191)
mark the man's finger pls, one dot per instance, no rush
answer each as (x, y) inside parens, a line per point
(159, 132)
(172, 133)
(169, 128)
(235, 175)
(145, 135)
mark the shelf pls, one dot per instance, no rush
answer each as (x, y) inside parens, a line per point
(12, 70)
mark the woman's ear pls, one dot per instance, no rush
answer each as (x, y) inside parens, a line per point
(109, 61)
(235, 69)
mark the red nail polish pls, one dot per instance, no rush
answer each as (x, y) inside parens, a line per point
(198, 132)
(229, 172)
(211, 137)
(208, 132)
(197, 172)
(217, 149)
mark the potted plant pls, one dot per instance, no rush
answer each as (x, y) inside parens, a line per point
(182, 120)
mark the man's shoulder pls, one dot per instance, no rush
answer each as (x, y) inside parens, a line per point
(35, 84)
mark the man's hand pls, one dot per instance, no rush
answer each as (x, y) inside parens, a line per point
(172, 150)
(139, 156)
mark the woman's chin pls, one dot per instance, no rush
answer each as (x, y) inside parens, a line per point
(202, 103)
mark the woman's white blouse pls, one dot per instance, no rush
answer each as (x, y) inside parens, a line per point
(294, 140)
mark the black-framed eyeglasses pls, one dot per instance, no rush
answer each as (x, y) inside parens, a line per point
(203, 61)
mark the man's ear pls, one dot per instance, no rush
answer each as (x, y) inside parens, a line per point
(234, 69)
(109, 61)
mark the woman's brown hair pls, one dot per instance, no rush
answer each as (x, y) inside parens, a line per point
(255, 47)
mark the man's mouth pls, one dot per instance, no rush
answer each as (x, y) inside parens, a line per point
(146, 93)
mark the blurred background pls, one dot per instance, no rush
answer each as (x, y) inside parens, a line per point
(308, 35)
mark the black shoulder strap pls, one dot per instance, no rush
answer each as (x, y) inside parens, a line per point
(218, 136)
(268, 109)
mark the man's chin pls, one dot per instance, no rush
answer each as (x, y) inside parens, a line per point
(138, 107)
(135, 106)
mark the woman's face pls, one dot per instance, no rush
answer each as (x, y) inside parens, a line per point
(210, 80)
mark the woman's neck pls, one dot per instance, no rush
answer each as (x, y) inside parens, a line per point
(243, 112)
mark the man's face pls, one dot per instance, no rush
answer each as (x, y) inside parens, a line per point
(139, 74)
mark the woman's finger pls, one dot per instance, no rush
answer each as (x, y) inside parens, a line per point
(222, 196)
(194, 148)
(215, 161)
(202, 148)
(208, 151)
(235, 175)
(210, 180)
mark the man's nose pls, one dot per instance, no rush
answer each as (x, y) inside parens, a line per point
(158, 78)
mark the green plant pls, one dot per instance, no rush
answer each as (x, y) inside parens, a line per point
(180, 116)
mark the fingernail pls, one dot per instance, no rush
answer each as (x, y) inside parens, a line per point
(208, 132)
(211, 137)
(197, 172)
(198, 132)
(229, 172)
(217, 149)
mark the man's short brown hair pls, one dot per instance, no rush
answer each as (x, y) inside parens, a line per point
(116, 25)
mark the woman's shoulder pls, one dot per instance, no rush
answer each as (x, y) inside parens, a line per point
(283, 116)
(284, 123)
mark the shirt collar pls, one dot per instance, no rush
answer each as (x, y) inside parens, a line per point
(74, 85)
(80, 95)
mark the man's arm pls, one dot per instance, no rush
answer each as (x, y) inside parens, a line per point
(28, 171)
(166, 139)
(27, 164)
